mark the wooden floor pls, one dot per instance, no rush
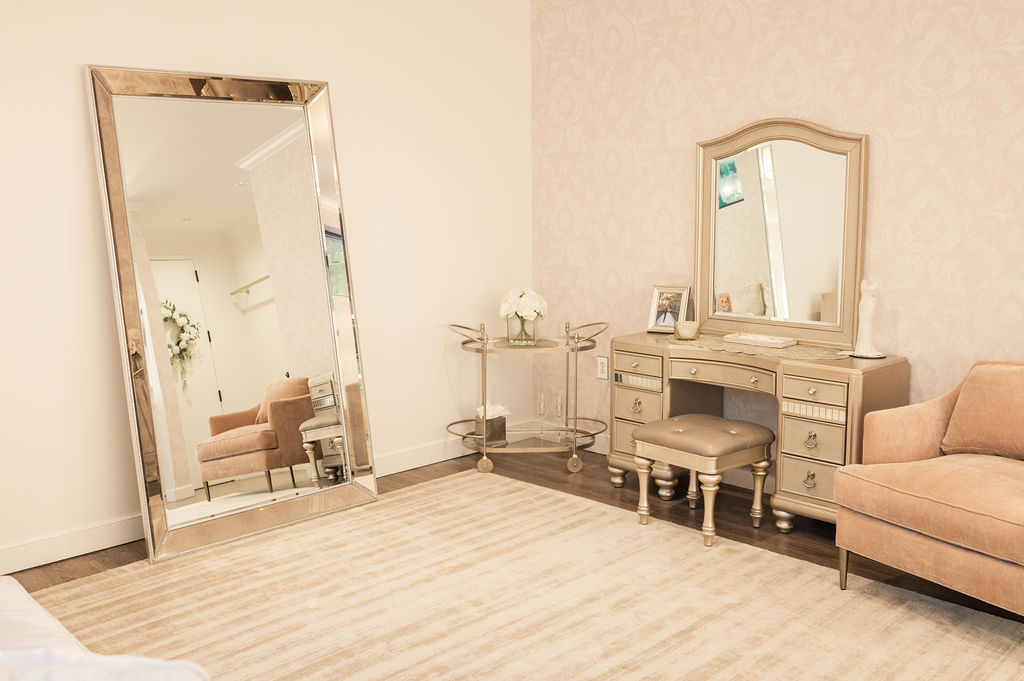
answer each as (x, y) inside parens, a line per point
(811, 540)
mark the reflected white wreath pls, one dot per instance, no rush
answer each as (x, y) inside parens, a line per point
(182, 349)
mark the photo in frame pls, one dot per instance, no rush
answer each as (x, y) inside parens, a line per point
(668, 306)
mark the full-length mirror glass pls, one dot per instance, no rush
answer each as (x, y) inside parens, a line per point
(230, 263)
(780, 225)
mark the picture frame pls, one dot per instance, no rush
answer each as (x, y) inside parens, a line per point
(668, 306)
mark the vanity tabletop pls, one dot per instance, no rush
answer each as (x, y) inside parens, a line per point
(711, 347)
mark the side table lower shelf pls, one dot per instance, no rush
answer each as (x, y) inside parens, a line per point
(555, 440)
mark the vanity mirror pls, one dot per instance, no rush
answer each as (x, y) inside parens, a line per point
(780, 225)
(235, 312)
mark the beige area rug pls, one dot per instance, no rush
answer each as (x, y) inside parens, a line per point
(481, 577)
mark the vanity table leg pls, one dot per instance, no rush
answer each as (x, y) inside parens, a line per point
(709, 485)
(783, 520)
(618, 477)
(760, 471)
(666, 487)
(643, 471)
(691, 494)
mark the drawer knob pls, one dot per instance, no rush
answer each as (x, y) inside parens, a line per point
(812, 391)
(693, 371)
(635, 364)
(638, 406)
(809, 482)
(753, 380)
(812, 440)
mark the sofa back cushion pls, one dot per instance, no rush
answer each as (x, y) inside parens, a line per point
(988, 417)
(283, 389)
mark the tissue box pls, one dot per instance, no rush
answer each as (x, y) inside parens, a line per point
(495, 431)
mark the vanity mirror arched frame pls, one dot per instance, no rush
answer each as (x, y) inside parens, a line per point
(109, 87)
(851, 147)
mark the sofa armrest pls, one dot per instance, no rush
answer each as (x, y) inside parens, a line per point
(909, 433)
(221, 423)
(285, 417)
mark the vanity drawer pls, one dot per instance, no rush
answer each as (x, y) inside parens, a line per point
(320, 390)
(637, 364)
(637, 405)
(814, 390)
(814, 439)
(624, 441)
(724, 374)
(808, 478)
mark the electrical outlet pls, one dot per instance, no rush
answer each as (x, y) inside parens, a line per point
(602, 368)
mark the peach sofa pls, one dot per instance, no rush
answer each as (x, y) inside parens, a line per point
(940, 492)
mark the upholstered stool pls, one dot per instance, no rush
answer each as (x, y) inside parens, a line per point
(707, 445)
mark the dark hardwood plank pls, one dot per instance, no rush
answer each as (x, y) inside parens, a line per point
(811, 540)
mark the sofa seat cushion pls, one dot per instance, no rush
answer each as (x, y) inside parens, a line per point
(254, 438)
(974, 501)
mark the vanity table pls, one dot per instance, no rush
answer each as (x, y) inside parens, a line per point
(822, 399)
(779, 252)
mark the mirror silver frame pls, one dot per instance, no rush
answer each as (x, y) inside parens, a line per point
(854, 148)
(105, 83)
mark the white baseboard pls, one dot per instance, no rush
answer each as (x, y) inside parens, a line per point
(414, 457)
(70, 542)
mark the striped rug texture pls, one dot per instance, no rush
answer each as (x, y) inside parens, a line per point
(477, 576)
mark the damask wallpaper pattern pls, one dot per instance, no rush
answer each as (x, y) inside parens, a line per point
(624, 89)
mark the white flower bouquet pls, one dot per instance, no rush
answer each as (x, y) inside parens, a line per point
(522, 308)
(183, 344)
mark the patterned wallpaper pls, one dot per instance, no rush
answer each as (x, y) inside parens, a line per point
(624, 89)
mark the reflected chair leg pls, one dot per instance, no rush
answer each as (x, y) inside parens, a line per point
(291, 471)
(760, 471)
(709, 486)
(844, 566)
(643, 471)
(691, 493)
(206, 486)
(311, 454)
(270, 483)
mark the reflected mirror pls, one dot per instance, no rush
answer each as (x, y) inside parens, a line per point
(780, 224)
(231, 270)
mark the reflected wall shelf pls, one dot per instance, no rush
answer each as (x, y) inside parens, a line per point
(575, 432)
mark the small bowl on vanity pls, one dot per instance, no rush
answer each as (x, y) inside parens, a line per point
(687, 330)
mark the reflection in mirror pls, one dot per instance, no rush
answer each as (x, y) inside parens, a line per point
(245, 382)
(779, 232)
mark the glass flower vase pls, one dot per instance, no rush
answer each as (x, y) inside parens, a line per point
(522, 331)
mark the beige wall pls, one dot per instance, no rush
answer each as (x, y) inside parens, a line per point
(431, 107)
(624, 90)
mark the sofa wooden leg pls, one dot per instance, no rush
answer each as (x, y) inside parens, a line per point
(844, 566)
(270, 483)
(206, 486)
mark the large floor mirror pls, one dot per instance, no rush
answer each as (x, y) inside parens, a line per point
(237, 322)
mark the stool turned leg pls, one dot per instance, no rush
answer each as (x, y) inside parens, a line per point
(760, 471)
(311, 454)
(643, 471)
(709, 485)
(691, 493)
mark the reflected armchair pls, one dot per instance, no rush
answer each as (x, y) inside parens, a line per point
(261, 438)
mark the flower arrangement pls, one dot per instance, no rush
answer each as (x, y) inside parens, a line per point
(522, 307)
(183, 345)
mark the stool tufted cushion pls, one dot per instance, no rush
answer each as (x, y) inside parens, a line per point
(704, 434)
